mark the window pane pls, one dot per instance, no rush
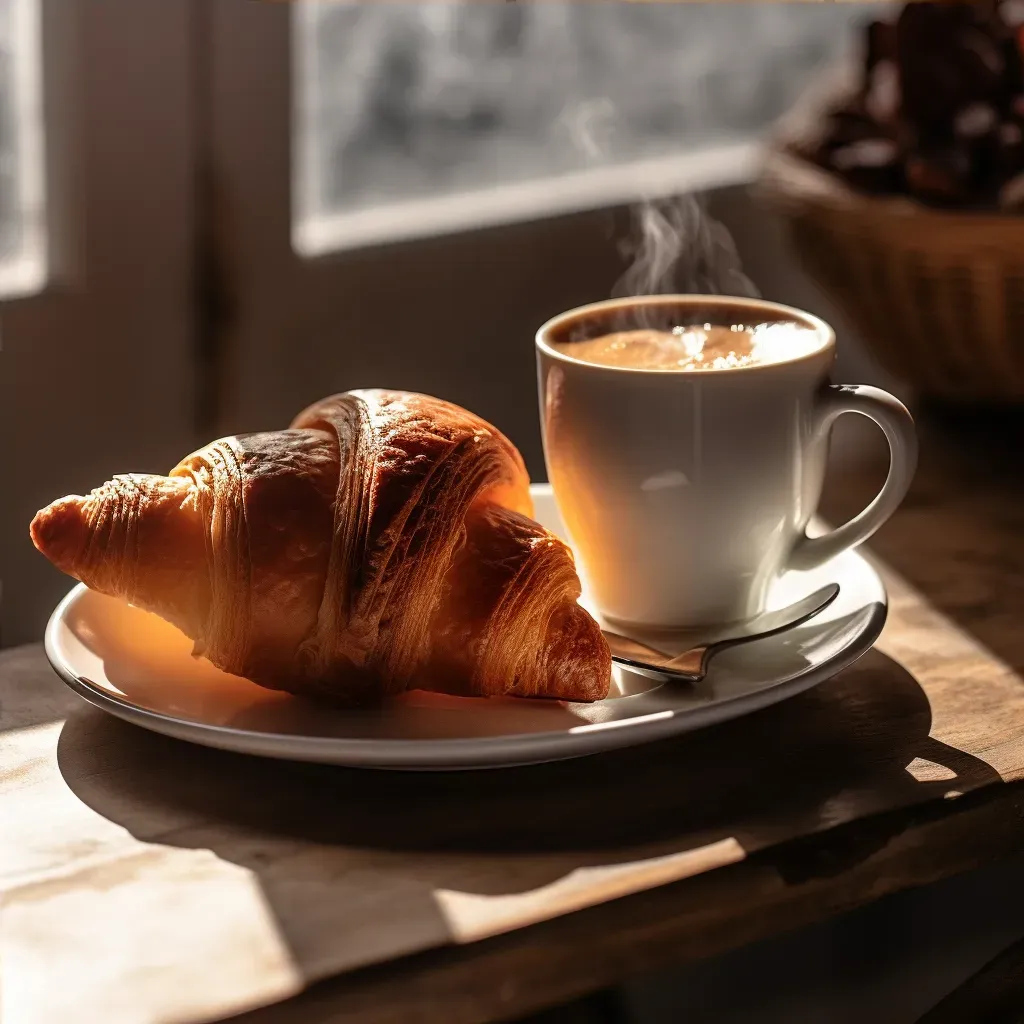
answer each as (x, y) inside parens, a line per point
(413, 101)
(22, 248)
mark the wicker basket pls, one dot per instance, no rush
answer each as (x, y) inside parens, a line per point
(938, 297)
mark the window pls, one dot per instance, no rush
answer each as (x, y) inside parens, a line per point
(22, 209)
(410, 115)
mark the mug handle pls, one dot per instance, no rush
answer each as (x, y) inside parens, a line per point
(898, 426)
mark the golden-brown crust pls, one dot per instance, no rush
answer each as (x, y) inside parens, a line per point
(380, 543)
(508, 623)
(271, 590)
(138, 537)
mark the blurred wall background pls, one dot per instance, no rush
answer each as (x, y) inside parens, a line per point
(215, 211)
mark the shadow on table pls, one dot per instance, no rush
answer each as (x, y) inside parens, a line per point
(318, 837)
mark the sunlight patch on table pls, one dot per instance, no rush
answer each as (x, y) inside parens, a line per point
(472, 916)
(128, 927)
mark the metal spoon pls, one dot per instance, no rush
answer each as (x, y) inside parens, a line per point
(692, 665)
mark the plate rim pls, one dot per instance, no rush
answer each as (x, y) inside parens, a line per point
(477, 752)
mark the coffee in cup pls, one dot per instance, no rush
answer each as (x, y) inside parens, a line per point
(689, 347)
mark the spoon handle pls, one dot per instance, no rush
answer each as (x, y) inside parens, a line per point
(694, 662)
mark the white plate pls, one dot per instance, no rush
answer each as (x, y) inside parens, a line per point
(138, 667)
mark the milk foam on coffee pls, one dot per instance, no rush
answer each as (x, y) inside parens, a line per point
(697, 347)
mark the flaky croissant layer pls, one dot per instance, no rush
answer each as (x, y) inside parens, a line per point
(381, 543)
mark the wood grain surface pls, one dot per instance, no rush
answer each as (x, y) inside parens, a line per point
(165, 882)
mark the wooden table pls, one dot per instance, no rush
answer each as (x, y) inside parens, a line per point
(162, 881)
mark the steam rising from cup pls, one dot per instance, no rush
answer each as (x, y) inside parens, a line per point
(674, 245)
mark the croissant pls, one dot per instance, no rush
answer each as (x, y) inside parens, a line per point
(381, 543)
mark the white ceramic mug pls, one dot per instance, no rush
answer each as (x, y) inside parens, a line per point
(687, 493)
